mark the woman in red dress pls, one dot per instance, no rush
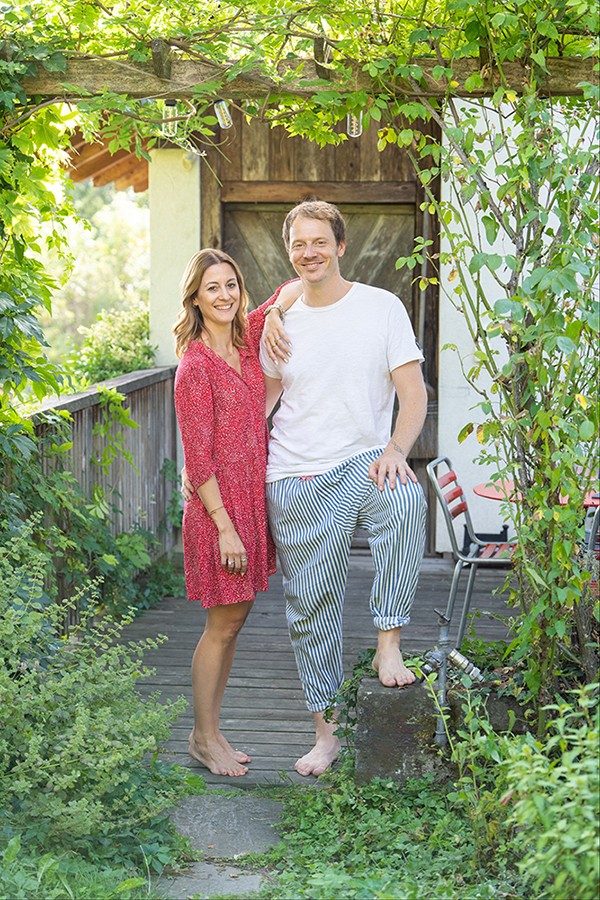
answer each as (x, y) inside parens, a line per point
(221, 410)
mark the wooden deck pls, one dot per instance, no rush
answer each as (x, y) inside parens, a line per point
(263, 710)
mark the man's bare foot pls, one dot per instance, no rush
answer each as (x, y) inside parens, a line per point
(389, 665)
(320, 758)
(215, 757)
(238, 755)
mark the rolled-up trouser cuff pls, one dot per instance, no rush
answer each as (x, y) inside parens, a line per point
(387, 623)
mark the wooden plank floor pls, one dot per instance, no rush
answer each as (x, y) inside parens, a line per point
(263, 708)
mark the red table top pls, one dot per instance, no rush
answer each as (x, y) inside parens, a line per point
(503, 490)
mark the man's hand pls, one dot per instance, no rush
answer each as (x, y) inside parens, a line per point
(187, 488)
(391, 465)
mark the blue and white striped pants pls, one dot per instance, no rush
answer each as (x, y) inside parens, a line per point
(312, 522)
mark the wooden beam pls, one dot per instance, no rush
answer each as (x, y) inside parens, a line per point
(98, 164)
(137, 179)
(122, 168)
(137, 80)
(334, 191)
(84, 153)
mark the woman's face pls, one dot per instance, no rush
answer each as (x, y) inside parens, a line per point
(218, 297)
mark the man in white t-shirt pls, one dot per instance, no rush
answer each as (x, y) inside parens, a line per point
(333, 466)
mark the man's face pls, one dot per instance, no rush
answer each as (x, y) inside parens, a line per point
(313, 251)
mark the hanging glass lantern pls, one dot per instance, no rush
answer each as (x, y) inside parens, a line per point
(354, 126)
(223, 114)
(169, 124)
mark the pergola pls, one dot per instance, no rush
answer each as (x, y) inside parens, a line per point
(169, 76)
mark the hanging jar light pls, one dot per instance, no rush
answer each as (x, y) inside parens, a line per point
(169, 123)
(223, 114)
(354, 124)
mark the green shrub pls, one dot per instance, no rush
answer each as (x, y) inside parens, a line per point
(555, 801)
(79, 768)
(378, 840)
(118, 342)
(43, 876)
(535, 803)
(74, 533)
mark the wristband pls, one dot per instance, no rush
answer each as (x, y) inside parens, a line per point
(398, 448)
(279, 309)
(216, 509)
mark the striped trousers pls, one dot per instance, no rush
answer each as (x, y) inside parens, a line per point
(312, 521)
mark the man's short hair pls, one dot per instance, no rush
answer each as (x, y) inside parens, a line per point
(316, 209)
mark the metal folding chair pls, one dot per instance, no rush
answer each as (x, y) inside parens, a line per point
(480, 554)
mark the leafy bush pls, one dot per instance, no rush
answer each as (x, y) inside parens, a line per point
(118, 342)
(78, 747)
(555, 801)
(43, 876)
(74, 532)
(536, 802)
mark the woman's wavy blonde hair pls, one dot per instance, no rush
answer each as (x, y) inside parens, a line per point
(190, 324)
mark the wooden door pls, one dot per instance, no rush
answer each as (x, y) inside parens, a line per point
(377, 235)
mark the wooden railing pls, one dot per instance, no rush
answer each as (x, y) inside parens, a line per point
(140, 493)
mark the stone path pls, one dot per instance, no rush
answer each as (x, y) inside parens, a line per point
(222, 827)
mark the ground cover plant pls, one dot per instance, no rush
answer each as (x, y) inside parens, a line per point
(81, 785)
(519, 820)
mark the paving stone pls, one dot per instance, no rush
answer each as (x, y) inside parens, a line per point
(209, 880)
(224, 827)
(394, 732)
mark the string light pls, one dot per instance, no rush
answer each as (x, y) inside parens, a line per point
(354, 125)
(169, 123)
(221, 108)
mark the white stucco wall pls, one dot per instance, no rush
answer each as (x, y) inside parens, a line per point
(457, 399)
(174, 236)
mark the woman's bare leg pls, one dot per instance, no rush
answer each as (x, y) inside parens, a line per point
(238, 755)
(211, 665)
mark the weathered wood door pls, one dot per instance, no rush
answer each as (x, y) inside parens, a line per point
(377, 235)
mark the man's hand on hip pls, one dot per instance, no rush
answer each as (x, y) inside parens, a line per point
(391, 465)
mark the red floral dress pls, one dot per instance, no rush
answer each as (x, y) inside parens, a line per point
(221, 418)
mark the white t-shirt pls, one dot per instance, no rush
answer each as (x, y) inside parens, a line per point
(338, 395)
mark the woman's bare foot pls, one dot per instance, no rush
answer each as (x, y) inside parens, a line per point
(215, 757)
(389, 665)
(238, 755)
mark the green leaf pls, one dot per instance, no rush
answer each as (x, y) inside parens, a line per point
(474, 82)
(587, 430)
(566, 344)
(477, 262)
(491, 226)
(503, 307)
(539, 58)
(465, 431)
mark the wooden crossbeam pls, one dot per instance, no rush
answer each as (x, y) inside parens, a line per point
(95, 76)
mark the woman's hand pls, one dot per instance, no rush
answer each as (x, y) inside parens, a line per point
(233, 553)
(277, 341)
(187, 488)
(278, 344)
